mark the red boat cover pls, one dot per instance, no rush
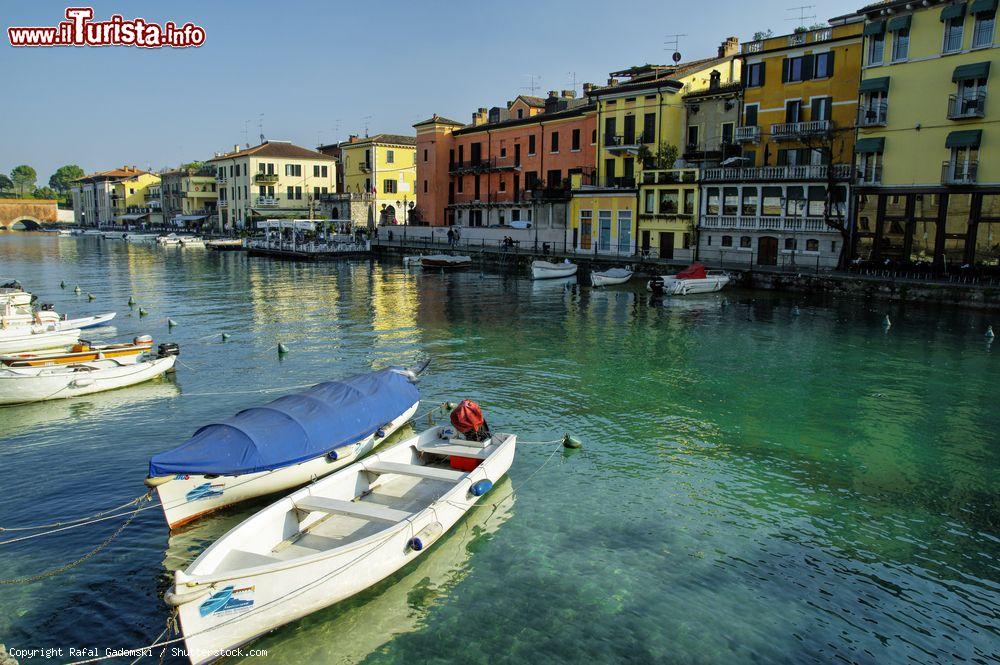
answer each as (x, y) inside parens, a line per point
(467, 417)
(693, 271)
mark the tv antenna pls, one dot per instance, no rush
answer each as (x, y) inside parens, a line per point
(364, 123)
(532, 86)
(673, 43)
(572, 79)
(246, 132)
(260, 126)
(802, 17)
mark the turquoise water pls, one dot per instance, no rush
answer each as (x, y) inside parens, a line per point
(754, 487)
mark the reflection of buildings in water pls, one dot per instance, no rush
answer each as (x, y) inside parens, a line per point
(27, 417)
(281, 292)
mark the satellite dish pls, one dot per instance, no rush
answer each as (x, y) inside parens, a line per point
(677, 56)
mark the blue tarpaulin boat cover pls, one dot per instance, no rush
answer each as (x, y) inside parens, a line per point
(293, 428)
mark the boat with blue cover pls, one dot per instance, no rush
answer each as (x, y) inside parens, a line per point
(285, 443)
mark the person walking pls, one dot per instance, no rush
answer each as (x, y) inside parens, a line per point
(451, 238)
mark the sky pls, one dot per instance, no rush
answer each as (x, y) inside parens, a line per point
(315, 72)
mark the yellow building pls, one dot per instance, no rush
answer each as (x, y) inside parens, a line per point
(189, 196)
(668, 208)
(640, 123)
(926, 117)
(119, 196)
(270, 180)
(383, 170)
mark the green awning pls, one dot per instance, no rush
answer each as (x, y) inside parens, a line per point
(901, 23)
(984, 6)
(953, 11)
(874, 28)
(869, 146)
(968, 138)
(880, 84)
(977, 70)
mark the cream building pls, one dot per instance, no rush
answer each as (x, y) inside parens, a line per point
(118, 196)
(270, 180)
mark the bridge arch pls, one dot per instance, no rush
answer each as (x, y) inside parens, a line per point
(24, 223)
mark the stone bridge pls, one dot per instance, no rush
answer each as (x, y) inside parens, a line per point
(27, 214)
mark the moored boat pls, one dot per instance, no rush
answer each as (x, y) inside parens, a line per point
(225, 244)
(140, 237)
(20, 385)
(548, 270)
(36, 338)
(333, 538)
(283, 444)
(171, 239)
(11, 292)
(192, 241)
(81, 352)
(693, 279)
(114, 235)
(610, 277)
(445, 261)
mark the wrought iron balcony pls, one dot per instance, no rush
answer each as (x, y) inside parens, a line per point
(615, 182)
(967, 106)
(365, 167)
(795, 130)
(265, 178)
(874, 115)
(748, 134)
(221, 179)
(222, 203)
(959, 173)
(483, 165)
(625, 142)
(266, 202)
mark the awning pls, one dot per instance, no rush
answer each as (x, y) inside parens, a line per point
(134, 217)
(900, 23)
(969, 138)
(977, 70)
(953, 11)
(298, 224)
(293, 428)
(870, 146)
(874, 28)
(190, 218)
(984, 6)
(880, 84)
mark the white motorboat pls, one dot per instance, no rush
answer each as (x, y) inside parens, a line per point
(24, 316)
(36, 338)
(332, 539)
(547, 270)
(93, 232)
(411, 261)
(85, 322)
(693, 279)
(286, 443)
(139, 238)
(82, 352)
(610, 277)
(12, 293)
(445, 261)
(114, 235)
(66, 232)
(172, 239)
(192, 241)
(19, 385)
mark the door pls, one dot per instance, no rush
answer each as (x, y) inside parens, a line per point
(629, 130)
(645, 242)
(517, 154)
(767, 251)
(585, 234)
(604, 231)
(667, 245)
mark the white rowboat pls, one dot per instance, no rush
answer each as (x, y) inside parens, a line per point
(20, 385)
(547, 270)
(85, 321)
(331, 540)
(609, 277)
(36, 338)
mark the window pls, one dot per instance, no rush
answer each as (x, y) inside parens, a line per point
(755, 75)
(460, 181)
(812, 245)
(982, 33)
(503, 152)
(727, 133)
(870, 166)
(730, 201)
(750, 115)
(477, 188)
(874, 109)
(315, 170)
(953, 29)
(971, 98)
(790, 244)
(604, 230)
(520, 113)
(797, 69)
(712, 201)
(425, 154)
(727, 241)
(749, 202)
(901, 45)
(964, 162)
(624, 230)
(668, 202)
(576, 140)
(503, 185)
(649, 128)
(531, 144)
(745, 242)
(876, 48)
(823, 65)
(554, 142)
(586, 228)
(650, 201)
(817, 201)
(689, 195)
(770, 202)
(390, 156)
(293, 170)
(821, 108)
(389, 186)
(554, 178)
(692, 136)
(315, 192)
(593, 136)
(793, 110)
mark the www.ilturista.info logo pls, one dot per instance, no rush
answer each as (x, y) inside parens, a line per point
(80, 30)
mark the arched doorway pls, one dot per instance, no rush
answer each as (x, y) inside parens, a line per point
(25, 224)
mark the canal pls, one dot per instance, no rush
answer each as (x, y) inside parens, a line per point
(755, 485)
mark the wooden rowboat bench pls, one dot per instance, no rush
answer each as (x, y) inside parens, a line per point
(415, 470)
(360, 509)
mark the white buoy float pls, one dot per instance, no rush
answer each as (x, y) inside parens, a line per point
(989, 332)
(886, 323)
(282, 349)
(171, 323)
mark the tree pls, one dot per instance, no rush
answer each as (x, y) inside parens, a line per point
(23, 177)
(664, 158)
(46, 193)
(763, 34)
(192, 166)
(5, 184)
(831, 145)
(64, 176)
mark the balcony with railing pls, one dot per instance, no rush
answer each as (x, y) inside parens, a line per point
(669, 176)
(787, 131)
(346, 197)
(266, 202)
(747, 134)
(617, 182)
(483, 165)
(959, 173)
(961, 107)
(764, 223)
(874, 115)
(222, 203)
(221, 179)
(615, 142)
(365, 167)
(265, 178)
(752, 47)
(803, 172)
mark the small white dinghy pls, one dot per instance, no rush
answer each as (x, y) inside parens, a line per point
(192, 241)
(36, 338)
(445, 261)
(172, 239)
(547, 270)
(610, 277)
(85, 321)
(332, 539)
(19, 385)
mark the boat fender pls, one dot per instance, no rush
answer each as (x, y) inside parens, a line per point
(340, 453)
(426, 536)
(175, 599)
(380, 433)
(142, 339)
(481, 487)
(570, 441)
(989, 332)
(156, 481)
(449, 406)
(81, 383)
(77, 290)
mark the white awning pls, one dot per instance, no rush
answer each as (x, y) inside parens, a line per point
(297, 224)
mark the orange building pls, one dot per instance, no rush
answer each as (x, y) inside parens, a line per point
(511, 165)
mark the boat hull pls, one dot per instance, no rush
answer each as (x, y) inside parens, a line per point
(187, 497)
(447, 262)
(19, 386)
(684, 287)
(605, 279)
(259, 603)
(85, 322)
(552, 270)
(38, 341)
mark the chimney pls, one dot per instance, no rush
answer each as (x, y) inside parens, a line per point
(479, 117)
(352, 138)
(587, 87)
(729, 48)
(612, 81)
(236, 147)
(714, 79)
(569, 94)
